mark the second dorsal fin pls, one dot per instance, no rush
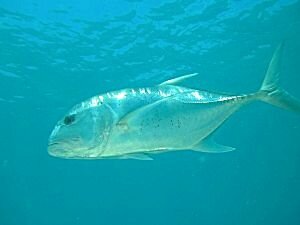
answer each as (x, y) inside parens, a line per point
(177, 80)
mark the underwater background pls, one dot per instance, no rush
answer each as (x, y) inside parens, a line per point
(55, 54)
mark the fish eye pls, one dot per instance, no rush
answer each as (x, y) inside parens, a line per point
(69, 119)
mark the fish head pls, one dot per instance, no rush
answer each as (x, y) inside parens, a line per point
(81, 133)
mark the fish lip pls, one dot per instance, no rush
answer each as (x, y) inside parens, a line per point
(52, 150)
(52, 144)
(52, 153)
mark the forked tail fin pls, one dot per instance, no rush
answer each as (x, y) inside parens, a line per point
(270, 91)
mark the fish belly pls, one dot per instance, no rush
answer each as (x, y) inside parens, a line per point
(172, 125)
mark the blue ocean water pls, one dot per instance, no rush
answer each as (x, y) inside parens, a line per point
(54, 54)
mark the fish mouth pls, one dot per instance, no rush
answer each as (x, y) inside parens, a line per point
(54, 149)
(65, 149)
(57, 148)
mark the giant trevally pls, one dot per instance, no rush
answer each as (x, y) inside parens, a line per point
(136, 122)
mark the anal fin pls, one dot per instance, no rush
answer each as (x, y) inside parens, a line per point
(210, 146)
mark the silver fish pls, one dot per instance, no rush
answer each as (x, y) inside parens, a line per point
(136, 122)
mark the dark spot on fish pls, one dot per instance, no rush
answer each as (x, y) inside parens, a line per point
(69, 119)
(178, 123)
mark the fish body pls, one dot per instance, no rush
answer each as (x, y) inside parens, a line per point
(166, 118)
(135, 122)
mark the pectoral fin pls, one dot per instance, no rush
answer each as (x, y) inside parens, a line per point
(127, 121)
(208, 145)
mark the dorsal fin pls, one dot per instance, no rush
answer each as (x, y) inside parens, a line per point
(176, 80)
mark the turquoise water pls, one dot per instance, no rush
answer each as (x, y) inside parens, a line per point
(54, 54)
